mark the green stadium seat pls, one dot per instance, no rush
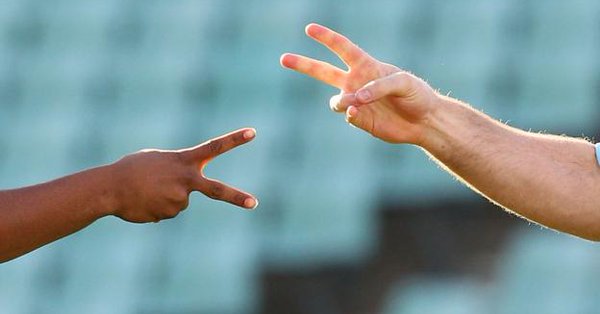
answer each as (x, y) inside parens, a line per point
(458, 44)
(20, 282)
(547, 272)
(437, 296)
(210, 262)
(102, 267)
(556, 62)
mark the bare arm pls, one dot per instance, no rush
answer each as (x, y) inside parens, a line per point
(147, 186)
(552, 180)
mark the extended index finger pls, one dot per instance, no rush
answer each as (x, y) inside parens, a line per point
(348, 51)
(219, 145)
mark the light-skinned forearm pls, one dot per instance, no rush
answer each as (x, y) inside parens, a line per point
(553, 180)
(33, 216)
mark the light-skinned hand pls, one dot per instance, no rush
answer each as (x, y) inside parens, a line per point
(380, 98)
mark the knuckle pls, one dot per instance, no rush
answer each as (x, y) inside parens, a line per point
(336, 75)
(184, 205)
(371, 69)
(181, 196)
(309, 67)
(215, 192)
(399, 76)
(402, 81)
(189, 179)
(403, 77)
(239, 138)
(175, 212)
(171, 212)
(215, 146)
(239, 199)
(304, 65)
(179, 157)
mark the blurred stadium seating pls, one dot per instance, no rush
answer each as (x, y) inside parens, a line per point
(82, 83)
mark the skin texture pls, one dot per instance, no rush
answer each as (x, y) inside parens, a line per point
(147, 186)
(552, 180)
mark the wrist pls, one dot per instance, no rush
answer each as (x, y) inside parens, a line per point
(107, 190)
(441, 123)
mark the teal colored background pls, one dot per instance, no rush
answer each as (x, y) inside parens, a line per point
(85, 82)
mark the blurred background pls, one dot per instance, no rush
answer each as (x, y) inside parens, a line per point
(346, 223)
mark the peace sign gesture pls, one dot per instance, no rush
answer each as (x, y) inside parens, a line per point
(377, 97)
(155, 184)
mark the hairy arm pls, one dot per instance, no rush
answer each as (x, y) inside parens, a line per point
(552, 180)
(147, 186)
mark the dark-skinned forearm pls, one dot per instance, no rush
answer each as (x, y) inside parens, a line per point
(33, 216)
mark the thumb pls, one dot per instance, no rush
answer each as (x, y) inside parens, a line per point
(360, 117)
(399, 84)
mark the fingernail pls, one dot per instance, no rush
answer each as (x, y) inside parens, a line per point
(333, 106)
(364, 95)
(249, 134)
(352, 111)
(250, 203)
(311, 27)
(285, 59)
